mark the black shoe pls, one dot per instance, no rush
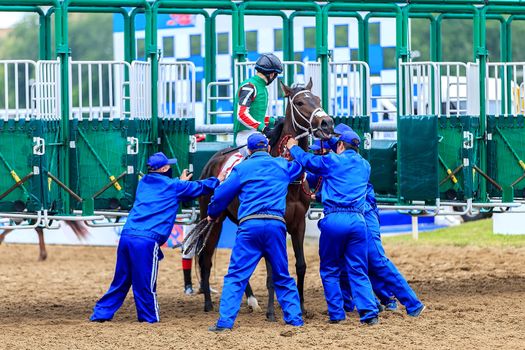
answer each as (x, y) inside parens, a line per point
(371, 321)
(217, 329)
(100, 320)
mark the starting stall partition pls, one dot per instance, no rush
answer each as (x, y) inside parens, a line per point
(438, 133)
(505, 101)
(109, 117)
(176, 108)
(29, 129)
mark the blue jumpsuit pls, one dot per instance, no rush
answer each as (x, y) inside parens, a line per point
(261, 182)
(383, 273)
(343, 229)
(148, 226)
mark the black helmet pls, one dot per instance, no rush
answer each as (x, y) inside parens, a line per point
(269, 63)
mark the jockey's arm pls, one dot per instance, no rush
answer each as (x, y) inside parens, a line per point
(247, 94)
(224, 194)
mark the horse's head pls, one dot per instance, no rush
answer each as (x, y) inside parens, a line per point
(307, 115)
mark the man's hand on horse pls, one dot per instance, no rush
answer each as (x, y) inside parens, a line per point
(222, 176)
(210, 219)
(291, 142)
(185, 176)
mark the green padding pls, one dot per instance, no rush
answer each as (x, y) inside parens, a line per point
(16, 154)
(505, 148)
(175, 140)
(418, 158)
(383, 160)
(361, 125)
(205, 150)
(453, 134)
(100, 152)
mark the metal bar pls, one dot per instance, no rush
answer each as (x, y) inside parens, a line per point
(108, 185)
(488, 178)
(18, 184)
(67, 189)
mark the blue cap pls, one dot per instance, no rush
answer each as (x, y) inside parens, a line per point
(317, 146)
(342, 128)
(349, 136)
(158, 160)
(257, 141)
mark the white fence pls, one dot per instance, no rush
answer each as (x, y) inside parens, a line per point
(505, 89)
(349, 89)
(176, 90)
(48, 96)
(17, 79)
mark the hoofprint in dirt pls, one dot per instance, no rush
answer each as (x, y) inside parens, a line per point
(474, 299)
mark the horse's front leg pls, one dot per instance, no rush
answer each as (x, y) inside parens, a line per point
(297, 232)
(205, 263)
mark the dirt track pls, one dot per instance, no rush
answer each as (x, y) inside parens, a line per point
(475, 299)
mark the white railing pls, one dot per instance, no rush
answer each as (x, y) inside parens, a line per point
(213, 94)
(98, 89)
(176, 90)
(292, 70)
(48, 96)
(349, 89)
(140, 90)
(437, 88)
(504, 89)
(17, 78)
(313, 71)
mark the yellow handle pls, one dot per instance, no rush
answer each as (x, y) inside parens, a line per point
(522, 164)
(116, 184)
(49, 182)
(15, 176)
(452, 177)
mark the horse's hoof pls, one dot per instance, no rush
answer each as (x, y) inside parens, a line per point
(208, 307)
(253, 304)
(42, 256)
(271, 318)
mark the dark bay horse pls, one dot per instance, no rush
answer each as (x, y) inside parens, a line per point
(304, 117)
(77, 227)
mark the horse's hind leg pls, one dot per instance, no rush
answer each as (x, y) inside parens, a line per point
(41, 244)
(251, 300)
(5, 233)
(270, 310)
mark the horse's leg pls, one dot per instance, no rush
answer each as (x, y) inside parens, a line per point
(5, 233)
(205, 263)
(297, 233)
(251, 300)
(270, 310)
(41, 244)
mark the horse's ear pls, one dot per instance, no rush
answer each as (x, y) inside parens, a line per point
(310, 84)
(286, 90)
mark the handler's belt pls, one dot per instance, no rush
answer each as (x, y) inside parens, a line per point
(262, 216)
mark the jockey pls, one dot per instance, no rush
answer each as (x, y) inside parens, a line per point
(261, 183)
(148, 226)
(343, 229)
(251, 101)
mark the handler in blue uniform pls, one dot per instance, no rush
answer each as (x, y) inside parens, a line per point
(261, 182)
(147, 227)
(343, 229)
(383, 273)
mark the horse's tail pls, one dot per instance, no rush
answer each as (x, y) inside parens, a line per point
(80, 230)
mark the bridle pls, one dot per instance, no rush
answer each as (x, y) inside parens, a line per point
(318, 112)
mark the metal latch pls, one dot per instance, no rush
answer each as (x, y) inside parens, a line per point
(193, 144)
(368, 140)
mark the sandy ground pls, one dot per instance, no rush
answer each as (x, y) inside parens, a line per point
(475, 299)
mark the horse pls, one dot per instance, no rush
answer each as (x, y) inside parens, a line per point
(304, 117)
(77, 227)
